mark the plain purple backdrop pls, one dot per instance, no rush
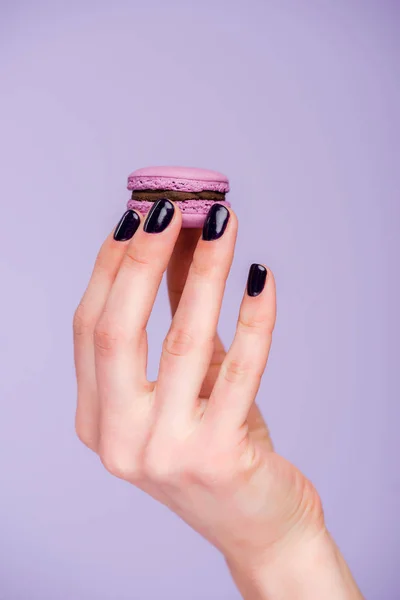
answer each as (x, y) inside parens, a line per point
(298, 102)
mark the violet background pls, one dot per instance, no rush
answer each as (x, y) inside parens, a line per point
(298, 102)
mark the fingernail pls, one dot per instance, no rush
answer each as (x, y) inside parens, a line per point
(127, 226)
(159, 217)
(256, 279)
(216, 222)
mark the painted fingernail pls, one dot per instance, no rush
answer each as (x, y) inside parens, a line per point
(256, 279)
(127, 226)
(216, 222)
(159, 217)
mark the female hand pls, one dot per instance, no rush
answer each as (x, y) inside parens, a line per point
(195, 439)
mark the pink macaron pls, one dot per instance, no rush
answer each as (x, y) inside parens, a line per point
(193, 190)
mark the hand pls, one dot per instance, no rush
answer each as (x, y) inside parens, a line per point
(194, 439)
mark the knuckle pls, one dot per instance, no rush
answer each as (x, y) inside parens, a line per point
(250, 324)
(161, 466)
(158, 470)
(178, 343)
(82, 321)
(255, 325)
(134, 260)
(105, 342)
(107, 337)
(119, 464)
(201, 268)
(208, 266)
(234, 371)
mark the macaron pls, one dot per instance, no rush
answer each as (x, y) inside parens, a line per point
(193, 190)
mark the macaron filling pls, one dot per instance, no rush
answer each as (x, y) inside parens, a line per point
(175, 196)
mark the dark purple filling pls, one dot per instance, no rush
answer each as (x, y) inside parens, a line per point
(175, 196)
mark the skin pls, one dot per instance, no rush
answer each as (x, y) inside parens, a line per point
(195, 439)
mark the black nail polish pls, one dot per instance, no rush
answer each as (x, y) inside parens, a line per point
(127, 226)
(216, 222)
(159, 217)
(256, 279)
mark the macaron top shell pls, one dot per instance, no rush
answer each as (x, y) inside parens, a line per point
(184, 179)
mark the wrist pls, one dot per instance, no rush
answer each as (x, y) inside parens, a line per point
(310, 569)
